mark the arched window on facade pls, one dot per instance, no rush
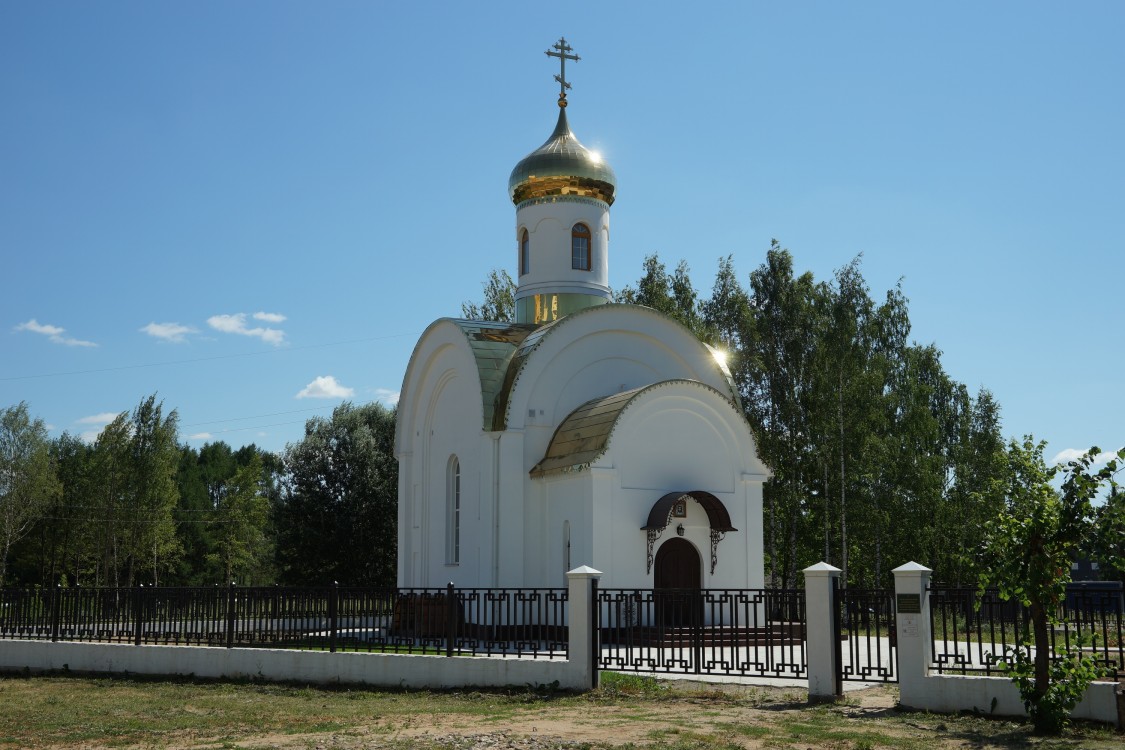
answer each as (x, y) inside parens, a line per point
(580, 247)
(453, 513)
(525, 253)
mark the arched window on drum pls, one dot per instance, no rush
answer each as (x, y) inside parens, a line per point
(580, 247)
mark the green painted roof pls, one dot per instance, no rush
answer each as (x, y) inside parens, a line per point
(584, 434)
(493, 344)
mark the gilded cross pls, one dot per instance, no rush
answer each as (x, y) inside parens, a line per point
(563, 48)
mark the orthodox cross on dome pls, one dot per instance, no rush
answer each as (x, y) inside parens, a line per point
(563, 48)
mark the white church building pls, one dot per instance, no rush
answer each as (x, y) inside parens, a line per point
(585, 433)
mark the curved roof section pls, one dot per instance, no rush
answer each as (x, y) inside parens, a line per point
(584, 435)
(532, 341)
(562, 166)
(661, 512)
(493, 345)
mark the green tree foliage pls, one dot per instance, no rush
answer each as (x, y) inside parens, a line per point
(878, 456)
(27, 477)
(225, 529)
(55, 551)
(337, 513)
(1109, 535)
(672, 295)
(1030, 545)
(133, 495)
(135, 506)
(499, 300)
(240, 521)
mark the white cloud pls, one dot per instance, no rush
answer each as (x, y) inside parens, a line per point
(387, 396)
(89, 436)
(1073, 454)
(53, 333)
(173, 332)
(99, 419)
(270, 317)
(201, 436)
(35, 326)
(325, 386)
(237, 324)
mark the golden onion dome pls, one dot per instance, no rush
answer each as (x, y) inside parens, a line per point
(562, 166)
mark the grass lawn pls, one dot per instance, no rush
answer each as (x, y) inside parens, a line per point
(627, 712)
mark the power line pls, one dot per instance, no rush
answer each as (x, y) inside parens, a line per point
(257, 427)
(258, 416)
(201, 359)
(131, 520)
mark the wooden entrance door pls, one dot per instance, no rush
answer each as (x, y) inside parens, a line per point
(678, 578)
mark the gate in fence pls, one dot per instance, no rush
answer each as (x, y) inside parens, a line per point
(738, 632)
(865, 635)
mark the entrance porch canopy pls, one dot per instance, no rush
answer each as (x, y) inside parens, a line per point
(661, 515)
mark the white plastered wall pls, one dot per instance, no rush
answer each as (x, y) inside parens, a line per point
(440, 415)
(598, 352)
(674, 437)
(549, 231)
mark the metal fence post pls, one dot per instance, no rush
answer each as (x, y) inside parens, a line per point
(333, 610)
(450, 618)
(230, 615)
(56, 615)
(695, 601)
(138, 618)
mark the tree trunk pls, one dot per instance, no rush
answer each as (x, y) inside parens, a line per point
(1042, 650)
(827, 523)
(843, 491)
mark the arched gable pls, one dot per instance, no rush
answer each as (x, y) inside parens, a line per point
(484, 347)
(585, 436)
(647, 345)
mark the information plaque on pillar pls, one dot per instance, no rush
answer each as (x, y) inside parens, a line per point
(909, 604)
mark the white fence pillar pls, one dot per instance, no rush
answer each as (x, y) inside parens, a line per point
(821, 646)
(583, 650)
(912, 628)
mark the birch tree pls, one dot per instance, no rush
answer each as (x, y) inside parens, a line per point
(27, 477)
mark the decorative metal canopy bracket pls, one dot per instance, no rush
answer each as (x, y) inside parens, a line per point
(653, 535)
(716, 537)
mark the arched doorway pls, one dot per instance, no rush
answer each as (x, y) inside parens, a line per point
(678, 578)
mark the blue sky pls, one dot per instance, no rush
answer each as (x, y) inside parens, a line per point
(253, 209)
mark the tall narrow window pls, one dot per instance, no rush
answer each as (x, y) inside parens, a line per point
(566, 546)
(580, 247)
(453, 514)
(525, 253)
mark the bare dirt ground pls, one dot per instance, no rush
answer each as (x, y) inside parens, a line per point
(708, 716)
(704, 716)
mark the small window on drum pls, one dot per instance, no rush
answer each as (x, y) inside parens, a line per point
(580, 247)
(525, 253)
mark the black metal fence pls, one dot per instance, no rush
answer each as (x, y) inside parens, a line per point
(745, 632)
(529, 623)
(972, 630)
(867, 635)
